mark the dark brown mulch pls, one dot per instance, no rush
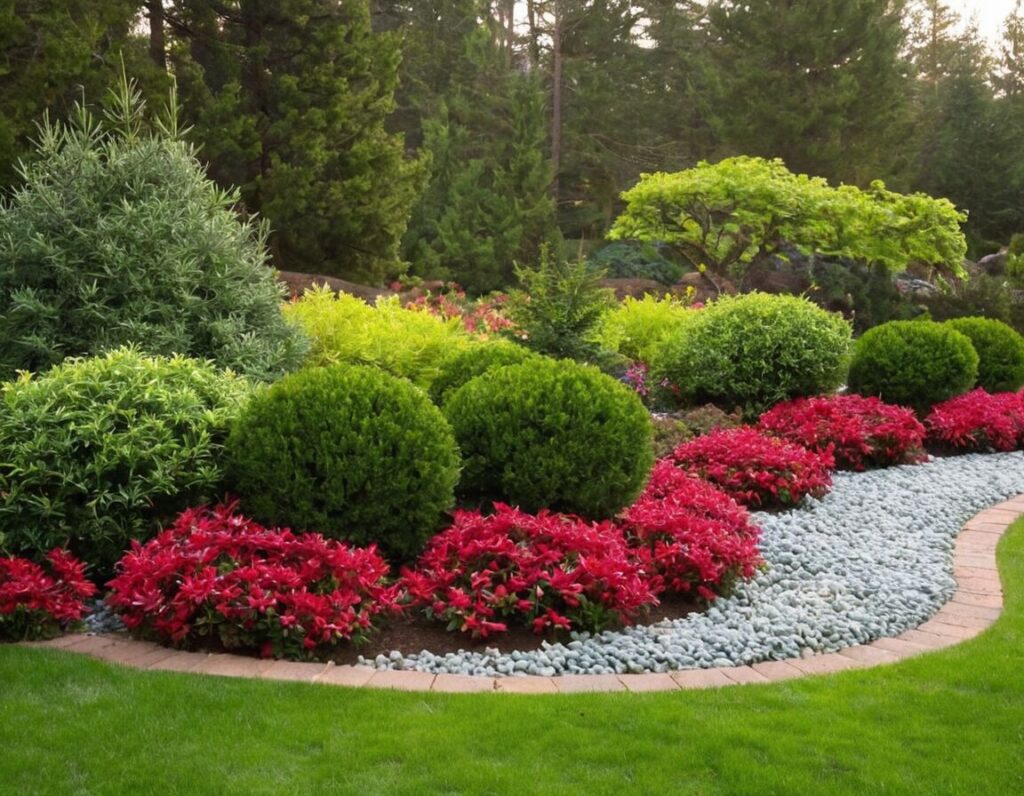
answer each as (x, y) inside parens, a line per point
(415, 634)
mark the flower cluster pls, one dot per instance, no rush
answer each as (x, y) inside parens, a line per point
(217, 573)
(635, 378)
(978, 420)
(484, 317)
(755, 469)
(860, 432)
(38, 604)
(693, 537)
(547, 571)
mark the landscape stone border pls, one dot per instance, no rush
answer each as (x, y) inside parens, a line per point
(975, 605)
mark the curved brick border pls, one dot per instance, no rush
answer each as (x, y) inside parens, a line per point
(975, 605)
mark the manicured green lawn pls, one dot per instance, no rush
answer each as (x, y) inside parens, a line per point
(949, 722)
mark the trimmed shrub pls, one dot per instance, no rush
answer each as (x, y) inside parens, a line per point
(116, 236)
(216, 573)
(859, 432)
(757, 470)
(472, 362)
(913, 363)
(348, 451)
(551, 434)
(978, 421)
(345, 330)
(693, 538)
(37, 604)
(637, 327)
(97, 452)
(544, 571)
(756, 350)
(1000, 352)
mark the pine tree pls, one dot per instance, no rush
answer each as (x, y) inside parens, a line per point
(1008, 77)
(51, 51)
(289, 99)
(819, 83)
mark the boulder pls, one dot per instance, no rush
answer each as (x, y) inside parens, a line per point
(297, 284)
(637, 288)
(994, 264)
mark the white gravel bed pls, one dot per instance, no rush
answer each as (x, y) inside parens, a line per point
(873, 558)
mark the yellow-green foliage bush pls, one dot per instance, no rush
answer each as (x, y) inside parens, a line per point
(403, 342)
(637, 327)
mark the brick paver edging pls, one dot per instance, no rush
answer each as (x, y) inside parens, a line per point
(975, 605)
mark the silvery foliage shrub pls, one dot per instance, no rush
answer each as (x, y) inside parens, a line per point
(116, 236)
(99, 451)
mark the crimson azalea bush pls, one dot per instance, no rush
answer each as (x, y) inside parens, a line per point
(978, 421)
(693, 538)
(546, 571)
(755, 469)
(217, 573)
(35, 603)
(860, 432)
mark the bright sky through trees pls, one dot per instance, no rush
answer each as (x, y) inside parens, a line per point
(989, 14)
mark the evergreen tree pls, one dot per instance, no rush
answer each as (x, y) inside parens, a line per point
(51, 51)
(819, 83)
(1008, 77)
(289, 100)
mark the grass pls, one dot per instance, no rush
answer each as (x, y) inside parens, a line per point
(947, 722)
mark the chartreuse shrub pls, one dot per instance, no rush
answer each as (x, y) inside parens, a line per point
(913, 363)
(348, 451)
(474, 361)
(755, 350)
(1000, 351)
(97, 452)
(116, 236)
(404, 342)
(636, 327)
(551, 434)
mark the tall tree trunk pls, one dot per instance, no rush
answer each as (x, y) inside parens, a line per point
(556, 102)
(510, 31)
(531, 18)
(157, 46)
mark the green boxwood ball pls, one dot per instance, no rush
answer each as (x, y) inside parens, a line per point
(350, 452)
(551, 434)
(913, 363)
(755, 350)
(1000, 350)
(474, 361)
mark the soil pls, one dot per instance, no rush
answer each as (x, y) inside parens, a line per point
(415, 633)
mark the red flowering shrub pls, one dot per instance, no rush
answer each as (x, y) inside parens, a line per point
(755, 469)
(860, 432)
(37, 604)
(693, 537)
(545, 571)
(484, 317)
(977, 421)
(217, 573)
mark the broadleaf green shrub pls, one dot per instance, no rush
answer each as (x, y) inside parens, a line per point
(755, 350)
(1000, 350)
(551, 434)
(96, 452)
(474, 361)
(116, 236)
(913, 363)
(347, 451)
(636, 327)
(403, 342)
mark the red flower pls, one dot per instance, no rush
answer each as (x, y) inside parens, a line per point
(978, 421)
(36, 604)
(285, 594)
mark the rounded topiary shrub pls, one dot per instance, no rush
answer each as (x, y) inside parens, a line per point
(551, 434)
(97, 452)
(115, 235)
(755, 350)
(1000, 350)
(472, 362)
(347, 451)
(913, 363)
